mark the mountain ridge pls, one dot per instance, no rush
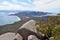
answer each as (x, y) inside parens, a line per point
(29, 14)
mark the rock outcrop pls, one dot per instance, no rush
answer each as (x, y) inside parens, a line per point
(51, 38)
(7, 36)
(32, 37)
(30, 25)
(18, 37)
(27, 29)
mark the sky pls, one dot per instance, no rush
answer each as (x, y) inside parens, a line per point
(35, 5)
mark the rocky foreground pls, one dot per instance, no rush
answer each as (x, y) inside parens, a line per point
(7, 36)
(26, 32)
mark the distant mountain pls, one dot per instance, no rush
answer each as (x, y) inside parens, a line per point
(30, 14)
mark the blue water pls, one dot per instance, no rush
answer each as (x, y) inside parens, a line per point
(6, 19)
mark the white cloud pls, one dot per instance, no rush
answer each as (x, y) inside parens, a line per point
(6, 5)
(38, 5)
(21, 3)
(9, 6)
(42, 4)
(24, 3)
(14, 0)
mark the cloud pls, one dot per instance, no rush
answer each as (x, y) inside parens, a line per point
(9, 6)
(6, 5)
(23, 2)
(42, 5)
(38, 5)
(14, 0)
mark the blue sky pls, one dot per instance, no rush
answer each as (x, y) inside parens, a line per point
(36, 5)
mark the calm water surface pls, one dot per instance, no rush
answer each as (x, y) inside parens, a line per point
(6, 19)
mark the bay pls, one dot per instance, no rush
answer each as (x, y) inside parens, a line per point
(6, 19)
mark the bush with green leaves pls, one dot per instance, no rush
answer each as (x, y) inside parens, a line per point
(50, 28)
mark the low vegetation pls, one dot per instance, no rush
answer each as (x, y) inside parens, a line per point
(51, 28)
(11, 27)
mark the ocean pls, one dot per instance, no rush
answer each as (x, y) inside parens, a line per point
(5, 18)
